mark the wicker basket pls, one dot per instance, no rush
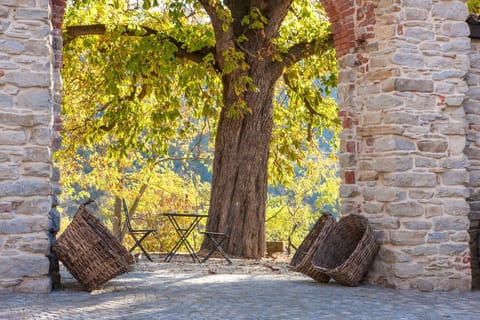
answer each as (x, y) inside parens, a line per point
(90, 252)
(301, 261)
(348, 251)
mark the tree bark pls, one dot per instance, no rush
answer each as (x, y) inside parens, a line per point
(239, 183)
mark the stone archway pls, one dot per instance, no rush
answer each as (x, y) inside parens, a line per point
(401, 94)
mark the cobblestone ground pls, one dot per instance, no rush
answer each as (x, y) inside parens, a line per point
(248, 290)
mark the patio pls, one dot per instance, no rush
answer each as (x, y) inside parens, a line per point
(264, 289)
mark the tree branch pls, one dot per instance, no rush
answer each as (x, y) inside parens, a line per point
(276, 12)
(74, 32)
(223, 28)
(306, 49)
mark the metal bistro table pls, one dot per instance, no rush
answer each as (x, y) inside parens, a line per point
(183, 233)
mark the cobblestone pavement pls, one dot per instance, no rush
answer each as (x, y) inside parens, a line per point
(214, 291)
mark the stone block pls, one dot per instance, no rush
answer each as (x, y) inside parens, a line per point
(31, 14)
(6, 101)
(390, 255)
(450, 11)
(434, 211)
(456, 207)
(408, 270)
(416, 14)
(37, 154)
(407, 238)
(8, 172)
(13, 137)
(435, 146)
(29, 79)
(41, 136)
(25, 187)
(34, 99)
(411, 179)
(450, 223)
(417, 224)
(348, 191)
(437, 237)
(409, 58)
(418, 34)
(33, 265)
(35, 285)
(11, 46)
(452, 192)
(418, 4)
(454, 177)
(383, 101)
(37, 170)
(421, 250)
(32, 206)
(23, 225)
(386, 195)
(393, 164)
(453, 249)
(405, 209)
(372, 208)
(385, 223)
(393, 144)
(404, 118)
(36, 48)
(421, 194)
(413, 85)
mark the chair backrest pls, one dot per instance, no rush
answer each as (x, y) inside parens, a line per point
(127, 215)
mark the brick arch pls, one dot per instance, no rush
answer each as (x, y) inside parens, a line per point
(351, 23)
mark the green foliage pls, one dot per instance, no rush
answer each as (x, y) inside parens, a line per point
(473, 6)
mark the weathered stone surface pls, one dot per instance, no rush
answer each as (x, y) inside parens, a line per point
(393, 164)
(386, 195)
(24, 80)
(393, 143)
(407, 238)
(24, 266)
(31, 14)
(437, 237)
(436, 146)
(411, 179)
(11, 137)
(454, 177)
(23, 225)
(408, 270)
(450, 223)
(417, 224)
(453, 248)
(405, 209)
(413, 85)
(26, 187)
(34, 99)
(393, 256)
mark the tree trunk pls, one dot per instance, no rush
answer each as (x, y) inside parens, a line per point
(239, 184)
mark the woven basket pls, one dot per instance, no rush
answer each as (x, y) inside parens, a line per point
(348, 251)
(301, 261)
(90, 251)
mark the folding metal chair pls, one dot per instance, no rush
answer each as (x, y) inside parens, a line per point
(138, 235)
(217, 238)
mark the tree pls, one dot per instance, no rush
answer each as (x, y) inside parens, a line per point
(216, 62)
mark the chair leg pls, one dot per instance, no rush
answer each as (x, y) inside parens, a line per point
(138, 243)
(216, 247)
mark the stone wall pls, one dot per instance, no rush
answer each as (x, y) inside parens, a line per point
(26, 120)
(472, 110)
(400, 95)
